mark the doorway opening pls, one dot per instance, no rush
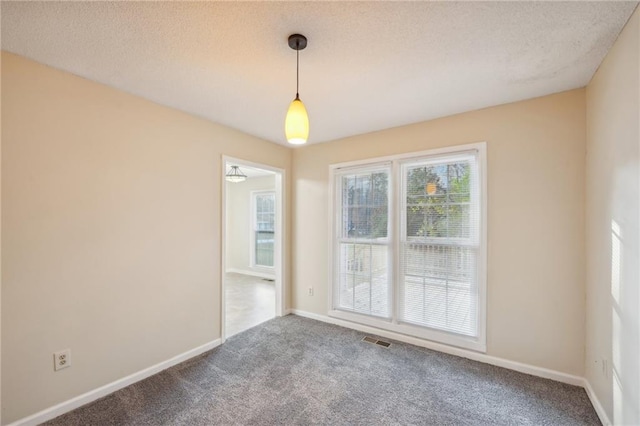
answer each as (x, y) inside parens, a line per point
(252, 245)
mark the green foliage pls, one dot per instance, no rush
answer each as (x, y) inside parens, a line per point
(443, 213)
(367, 203)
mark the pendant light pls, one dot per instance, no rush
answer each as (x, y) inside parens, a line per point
(296, 125)
(235, 175)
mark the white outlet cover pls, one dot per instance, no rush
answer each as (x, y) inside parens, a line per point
(61, 359)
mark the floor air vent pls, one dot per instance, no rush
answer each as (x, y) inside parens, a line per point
(376, 341)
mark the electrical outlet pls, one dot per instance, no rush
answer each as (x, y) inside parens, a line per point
(61, 359)
(310, 291)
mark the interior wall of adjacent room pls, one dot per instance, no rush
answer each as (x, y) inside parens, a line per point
(535, 154)
(613, 234)
(110, 232)
(240, 216)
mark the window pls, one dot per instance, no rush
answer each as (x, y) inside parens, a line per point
(263, 228)
(363, 241)
(413, 262)
(439, 243)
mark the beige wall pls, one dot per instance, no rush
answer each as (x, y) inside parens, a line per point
(110, 232)
(613, 234)
(239, 219)
(535, 154)
(0, 249)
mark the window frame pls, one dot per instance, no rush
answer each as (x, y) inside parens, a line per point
(477, 343)
(253, 224)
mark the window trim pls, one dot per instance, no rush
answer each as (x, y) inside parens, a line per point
(474, 343)
(252, 230)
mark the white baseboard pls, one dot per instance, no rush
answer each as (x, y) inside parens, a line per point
(596, 404)
(78, 401)
(71, 404)
(476, 356)
(252, 273)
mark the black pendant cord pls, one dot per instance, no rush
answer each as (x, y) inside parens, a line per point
(297, 69)
(297, 42)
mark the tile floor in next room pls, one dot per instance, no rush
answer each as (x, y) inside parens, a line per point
(249, 301)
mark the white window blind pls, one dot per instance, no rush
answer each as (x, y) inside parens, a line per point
(362, 215)
(439, 243)
(409, 244)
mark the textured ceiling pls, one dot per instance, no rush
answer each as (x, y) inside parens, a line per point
(368, 65)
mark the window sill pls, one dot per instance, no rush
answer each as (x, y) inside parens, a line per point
(437, 336)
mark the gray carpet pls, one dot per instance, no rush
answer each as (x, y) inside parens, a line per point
(293, 371)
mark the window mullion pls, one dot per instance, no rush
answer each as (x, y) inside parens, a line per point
(395, 232)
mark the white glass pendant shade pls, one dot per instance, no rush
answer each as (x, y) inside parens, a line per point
(296, 125)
